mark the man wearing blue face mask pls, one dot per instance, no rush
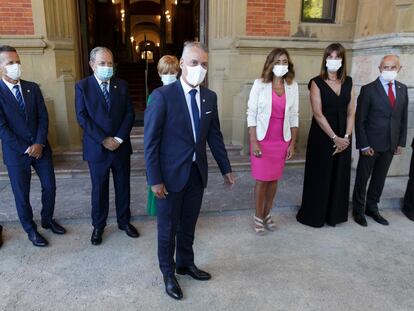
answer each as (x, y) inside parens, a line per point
(105, 113)
(23, 132)
(381, 133)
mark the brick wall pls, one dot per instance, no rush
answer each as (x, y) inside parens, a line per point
(267, 18)
(16, 17)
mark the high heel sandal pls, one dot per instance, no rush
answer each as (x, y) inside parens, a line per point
(258, 225)
(270, 225)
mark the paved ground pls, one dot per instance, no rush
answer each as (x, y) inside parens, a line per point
(296, 268)
(73, 195)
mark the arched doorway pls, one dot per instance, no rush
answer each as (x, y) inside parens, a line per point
(139, 32)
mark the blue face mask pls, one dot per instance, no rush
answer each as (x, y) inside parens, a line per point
(104, 73)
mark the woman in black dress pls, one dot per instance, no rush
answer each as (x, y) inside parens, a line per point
(328, 155)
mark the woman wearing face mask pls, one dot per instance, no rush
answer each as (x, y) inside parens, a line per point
(167, 70)
(328, 155)
(272, 118)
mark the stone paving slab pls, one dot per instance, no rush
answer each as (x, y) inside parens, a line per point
(73, 195)
(295, 268)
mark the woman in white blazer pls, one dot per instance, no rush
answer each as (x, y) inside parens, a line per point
(273, 119)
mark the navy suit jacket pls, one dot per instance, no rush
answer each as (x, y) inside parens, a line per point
(377, 125)
(98, 123)
(19, 130)
(169, 141)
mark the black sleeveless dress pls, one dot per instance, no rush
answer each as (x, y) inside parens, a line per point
(327, 178)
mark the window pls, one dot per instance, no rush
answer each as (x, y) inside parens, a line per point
(318, 11)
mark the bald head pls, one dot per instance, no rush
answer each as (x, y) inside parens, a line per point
(390, 63)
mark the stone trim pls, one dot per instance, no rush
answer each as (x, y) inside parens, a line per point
(26, 45)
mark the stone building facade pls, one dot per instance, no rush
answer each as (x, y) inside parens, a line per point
(240, 33)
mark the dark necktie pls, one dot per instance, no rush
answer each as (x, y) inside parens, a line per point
(105, 92)
(391, 95)
(19, 98)
(195, 111)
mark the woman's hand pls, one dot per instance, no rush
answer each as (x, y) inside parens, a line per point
(290, 152)
(341, 144)
(256, 150)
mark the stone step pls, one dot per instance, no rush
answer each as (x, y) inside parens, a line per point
(76, 155)
(79, 168)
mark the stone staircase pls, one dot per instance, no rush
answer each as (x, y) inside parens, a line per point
(69, 164)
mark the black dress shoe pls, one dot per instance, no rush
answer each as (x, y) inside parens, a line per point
(172, 288)
(409, 214)
(37, 239)
(194, 272)
(360, 220)
(1, 239)
(96, 237)
(377, 217)
(130, 230)
(54, 226)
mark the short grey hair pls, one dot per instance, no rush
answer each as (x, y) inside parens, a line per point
(194, 44)
(390, 55)
(99, 49)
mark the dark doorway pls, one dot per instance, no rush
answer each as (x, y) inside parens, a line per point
(139, 32)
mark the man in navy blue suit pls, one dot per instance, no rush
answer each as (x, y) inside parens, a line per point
(105, 113)
(23, 131)
(179, 120)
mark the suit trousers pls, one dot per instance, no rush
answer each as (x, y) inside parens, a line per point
(121, 172)
(176, 221)
(409, 192)
(20, 177)
(375, 167)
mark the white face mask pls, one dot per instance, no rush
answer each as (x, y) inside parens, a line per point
(280, 70)
(333, 65)
(389, 75)
(195, 75)
(13, 71)
(168, 79)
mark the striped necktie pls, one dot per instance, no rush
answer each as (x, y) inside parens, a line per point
(19, 98)
(105, 92)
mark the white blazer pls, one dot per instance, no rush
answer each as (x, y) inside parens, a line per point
(259, 108)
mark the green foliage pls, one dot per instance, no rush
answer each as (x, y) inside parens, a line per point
(313, 9)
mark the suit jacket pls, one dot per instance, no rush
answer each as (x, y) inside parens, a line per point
(260, 108)
(18, 129)
(378, 125)
(98, 123)
(169, 141)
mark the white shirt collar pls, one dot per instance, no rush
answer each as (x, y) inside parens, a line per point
(11, 85)
(100, 81)
(385, 82)
(187, 88)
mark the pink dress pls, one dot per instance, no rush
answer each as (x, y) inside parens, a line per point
(274, 148)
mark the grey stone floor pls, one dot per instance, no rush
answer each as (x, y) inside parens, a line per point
(295, 268)
(73, 195)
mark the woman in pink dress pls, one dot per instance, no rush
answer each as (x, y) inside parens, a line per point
(272, 118)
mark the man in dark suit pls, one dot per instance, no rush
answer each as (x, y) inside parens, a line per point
(179, 120)
(105, 113)
(408, 207)
(23, 131)
(381, 132)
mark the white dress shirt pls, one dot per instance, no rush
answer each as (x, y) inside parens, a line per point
(119, 140)
(187, 89)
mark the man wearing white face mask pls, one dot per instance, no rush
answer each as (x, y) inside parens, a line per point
(104, 111)
(179, 120)
(381, 132)
(23, 132)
